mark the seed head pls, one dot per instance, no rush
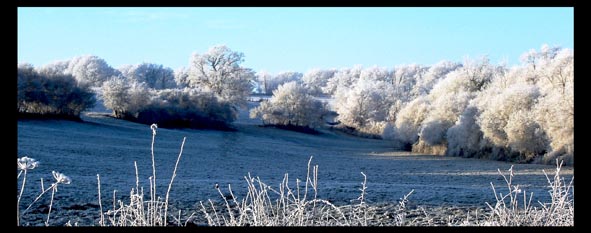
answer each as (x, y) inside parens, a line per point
(153, 127)
(61, 178)
(26, 163)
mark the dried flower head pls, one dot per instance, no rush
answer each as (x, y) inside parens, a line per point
(26, 163)
(61, 178)
(153, 127)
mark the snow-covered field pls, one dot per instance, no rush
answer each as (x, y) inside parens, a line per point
(106, 146)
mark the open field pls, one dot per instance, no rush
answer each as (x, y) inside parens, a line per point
(107, 146)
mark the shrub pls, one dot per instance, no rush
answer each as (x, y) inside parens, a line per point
(187, 108)
(172, 108)
(409, 119)
(291, 105)
(53, 95)
(365, 104)
(464, 138)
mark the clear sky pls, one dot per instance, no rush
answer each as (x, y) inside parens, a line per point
(291, 39)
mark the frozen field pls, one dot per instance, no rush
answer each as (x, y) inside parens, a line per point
(109, 147)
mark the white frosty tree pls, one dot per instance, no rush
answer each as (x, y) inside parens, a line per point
(51, 93)
(153, 75)
(405, 78)
(316, 79)
(273, 82)
(343, 78)
(91, 70)
(426, 81)
(409, 119)
(124, 97)
(464, 138)
(262, 79)
(291, 104)
(366, 103)
(54, 68)
(507, 112)
(555, 109)
(181, 76)
(219, 71)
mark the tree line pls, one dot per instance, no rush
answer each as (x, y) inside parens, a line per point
(470, 109)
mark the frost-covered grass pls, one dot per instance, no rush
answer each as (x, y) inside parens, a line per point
(298, 204)
(289, 205)
(138, 211)
(515, 209)
(23, 165)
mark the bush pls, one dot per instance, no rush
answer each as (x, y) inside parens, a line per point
(291, 105)
(506, 122)
(53, 95)
(365, 106)
(187, 108)
(170, 108)
(409, 119)
(464, 138)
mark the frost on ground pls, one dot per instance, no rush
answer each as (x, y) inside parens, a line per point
(443, 186)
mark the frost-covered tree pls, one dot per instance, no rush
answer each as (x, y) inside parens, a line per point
(190, 107)
(263, 78)
(479, 73)
(54, 68)
(219, 71)
(524, 135)
(447, 104)
(291, 105)
(555, 113)
(448, 100)
(364, 98)
(126, 98)
(367, 101)
(409, 120)
(464, 139)
(535, 59)
(91, 70)
(30, 89)
(405, 78)
(343, 78)
(425, 83)
(115, 95)
(316, 79)
(444, 112)
(51, 94)
(555, 109)
(376, 73)
(181, 76)
(524, 114)
(281, 78)
(507, 112)
(153, 75)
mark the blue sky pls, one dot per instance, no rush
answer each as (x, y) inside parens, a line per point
(291, 39)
